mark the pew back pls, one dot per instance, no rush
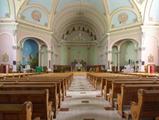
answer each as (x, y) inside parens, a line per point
(16, 111)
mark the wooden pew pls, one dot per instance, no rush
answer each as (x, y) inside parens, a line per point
(42, 107)
(128, 94)
(61, 91)
(52, 92)
(48, 78)
(16, 111)
(108, 83)
(33, 82)
(65, 76)
(61, 84)
(64, 82)
(15, 75)
(116, 88)
(147, 105)
(97, 79)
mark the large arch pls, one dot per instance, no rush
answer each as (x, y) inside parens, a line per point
(33, 49)
(124, 52)
(30, 53)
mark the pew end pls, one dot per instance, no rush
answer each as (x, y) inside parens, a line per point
(16, 111)
(147, 106)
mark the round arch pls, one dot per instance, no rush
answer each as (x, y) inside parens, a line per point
(124, 52)
(34, 55)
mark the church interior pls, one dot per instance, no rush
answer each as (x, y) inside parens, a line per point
(79, 60)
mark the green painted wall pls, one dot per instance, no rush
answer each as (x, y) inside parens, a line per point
(92, 55)
(127, 51)
(64, 55)
(78, 53)
(44, 56)
(114, 56)
(70, 53)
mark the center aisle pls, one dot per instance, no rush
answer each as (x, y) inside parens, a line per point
(83, 102)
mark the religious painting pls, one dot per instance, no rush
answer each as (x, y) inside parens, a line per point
(36, 15)
(30, 53)
(123, 17)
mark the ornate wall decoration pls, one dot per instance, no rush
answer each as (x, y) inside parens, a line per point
(36, 15)
(122, 18)
(150, 58)
(5, 57)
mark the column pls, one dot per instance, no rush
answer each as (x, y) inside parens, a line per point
(15, 51)
(40, 52)
(68, 55)
(109, 60)
(149, 53)
(118, 57)
(106, 60)
(50, 52)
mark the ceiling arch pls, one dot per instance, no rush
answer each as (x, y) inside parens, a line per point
(97, 4)
(153, 14)
(4, 8)
(7, 10)
(45, 3)
(105, 12)
(114, 4)
(79, 14)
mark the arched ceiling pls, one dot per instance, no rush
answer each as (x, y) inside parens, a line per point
(97, 4)
(58, 15)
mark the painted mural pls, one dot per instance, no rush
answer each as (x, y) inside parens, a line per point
(30, 53)
(153, 11)
(4, 9)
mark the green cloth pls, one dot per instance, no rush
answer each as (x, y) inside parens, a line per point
(39, 69)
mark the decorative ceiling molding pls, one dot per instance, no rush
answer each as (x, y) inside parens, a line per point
(137, 6)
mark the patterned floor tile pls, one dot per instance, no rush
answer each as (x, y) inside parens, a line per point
(64, 109)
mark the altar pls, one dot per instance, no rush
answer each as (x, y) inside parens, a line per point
(78, 67)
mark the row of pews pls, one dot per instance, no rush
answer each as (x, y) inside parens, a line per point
(135, 96)
(32, 96)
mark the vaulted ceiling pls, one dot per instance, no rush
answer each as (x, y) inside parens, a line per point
(60, 16)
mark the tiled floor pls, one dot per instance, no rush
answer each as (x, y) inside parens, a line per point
(84, 103)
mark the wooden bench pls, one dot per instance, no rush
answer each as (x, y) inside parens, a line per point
(52, 92)
(42, 107)
(98, 79)
(61, 84)
(116, 88)
(128, 94)
(15, 75)
(67, 77)
(16, 111)
(32, 82)
(107, 83)
(64, 82)
(147, 105)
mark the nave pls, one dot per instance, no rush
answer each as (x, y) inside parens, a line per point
(84, 102)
